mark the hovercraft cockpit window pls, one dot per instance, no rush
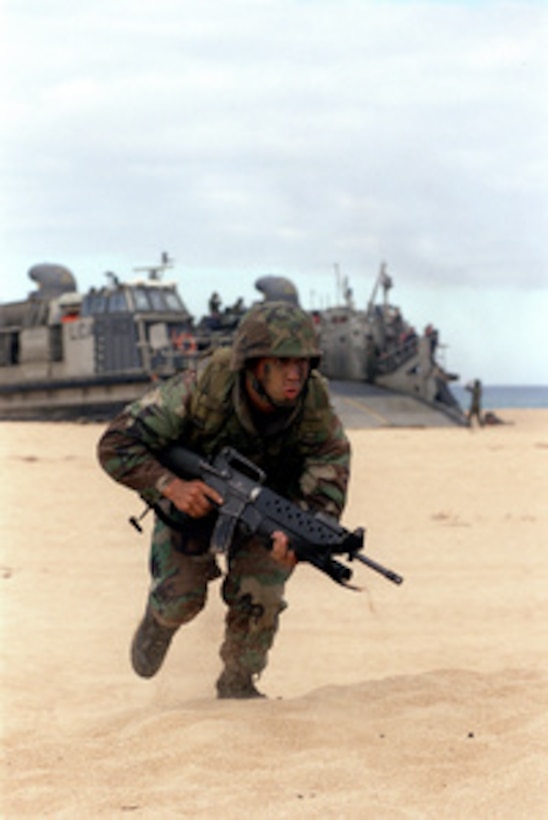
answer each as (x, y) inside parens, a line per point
(172, 300)
(140, 299)
(117, 302)
(157, 299)
(94, 302)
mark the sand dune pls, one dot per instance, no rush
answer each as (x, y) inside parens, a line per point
(425, 700)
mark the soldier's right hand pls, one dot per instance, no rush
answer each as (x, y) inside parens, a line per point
(195, 498)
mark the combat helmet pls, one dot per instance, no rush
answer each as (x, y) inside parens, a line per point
(280, 329)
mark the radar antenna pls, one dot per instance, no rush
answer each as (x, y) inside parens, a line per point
(155, 272)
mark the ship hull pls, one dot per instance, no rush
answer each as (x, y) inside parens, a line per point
(359, 405)
(94, 399)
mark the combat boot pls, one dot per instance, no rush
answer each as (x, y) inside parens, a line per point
(237, 684)
(150, 644)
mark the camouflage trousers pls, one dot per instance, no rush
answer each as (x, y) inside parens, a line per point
(182, 568)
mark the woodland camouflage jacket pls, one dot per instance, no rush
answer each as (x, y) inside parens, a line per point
(305, 454)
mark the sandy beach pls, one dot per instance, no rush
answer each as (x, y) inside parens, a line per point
(426, 700)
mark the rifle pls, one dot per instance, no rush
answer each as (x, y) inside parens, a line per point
(314, 537)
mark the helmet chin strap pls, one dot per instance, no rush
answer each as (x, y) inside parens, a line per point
(259, 388)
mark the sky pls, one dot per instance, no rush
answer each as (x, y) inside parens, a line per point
(294, 138)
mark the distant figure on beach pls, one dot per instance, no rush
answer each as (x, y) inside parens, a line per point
(475, 388)
(491, 418)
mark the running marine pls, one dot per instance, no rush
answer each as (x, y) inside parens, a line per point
(265, 398)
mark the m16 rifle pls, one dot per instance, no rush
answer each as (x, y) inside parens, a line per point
(249, 504)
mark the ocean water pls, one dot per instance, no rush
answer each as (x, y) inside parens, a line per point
(499, 396)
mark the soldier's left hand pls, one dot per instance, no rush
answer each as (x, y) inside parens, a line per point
(281, 551)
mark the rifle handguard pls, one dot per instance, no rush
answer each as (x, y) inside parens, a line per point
(314, 537)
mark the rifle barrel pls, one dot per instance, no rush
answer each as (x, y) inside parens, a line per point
(388, 573)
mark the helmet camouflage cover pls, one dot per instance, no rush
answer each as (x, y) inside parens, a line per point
(279, 329)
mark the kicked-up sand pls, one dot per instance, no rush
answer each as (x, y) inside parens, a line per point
(427, 700)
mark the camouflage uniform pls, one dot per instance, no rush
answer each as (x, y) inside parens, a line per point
(475, 402)
(303, 451)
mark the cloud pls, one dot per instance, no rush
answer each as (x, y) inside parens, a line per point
(278, 136)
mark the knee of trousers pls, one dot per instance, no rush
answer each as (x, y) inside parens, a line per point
(256, 581)
(179, 580)
(181, 593)
(257, 604)
(177, 609)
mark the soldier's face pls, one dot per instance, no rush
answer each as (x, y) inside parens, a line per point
(283, 379)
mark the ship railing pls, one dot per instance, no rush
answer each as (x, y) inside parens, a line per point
(392, 360)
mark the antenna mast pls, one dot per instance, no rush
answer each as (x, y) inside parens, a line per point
(155, 272)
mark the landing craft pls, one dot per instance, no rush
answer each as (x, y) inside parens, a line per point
(67, 355)
(378, 346)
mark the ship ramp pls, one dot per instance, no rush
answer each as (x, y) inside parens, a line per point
(365, 405)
